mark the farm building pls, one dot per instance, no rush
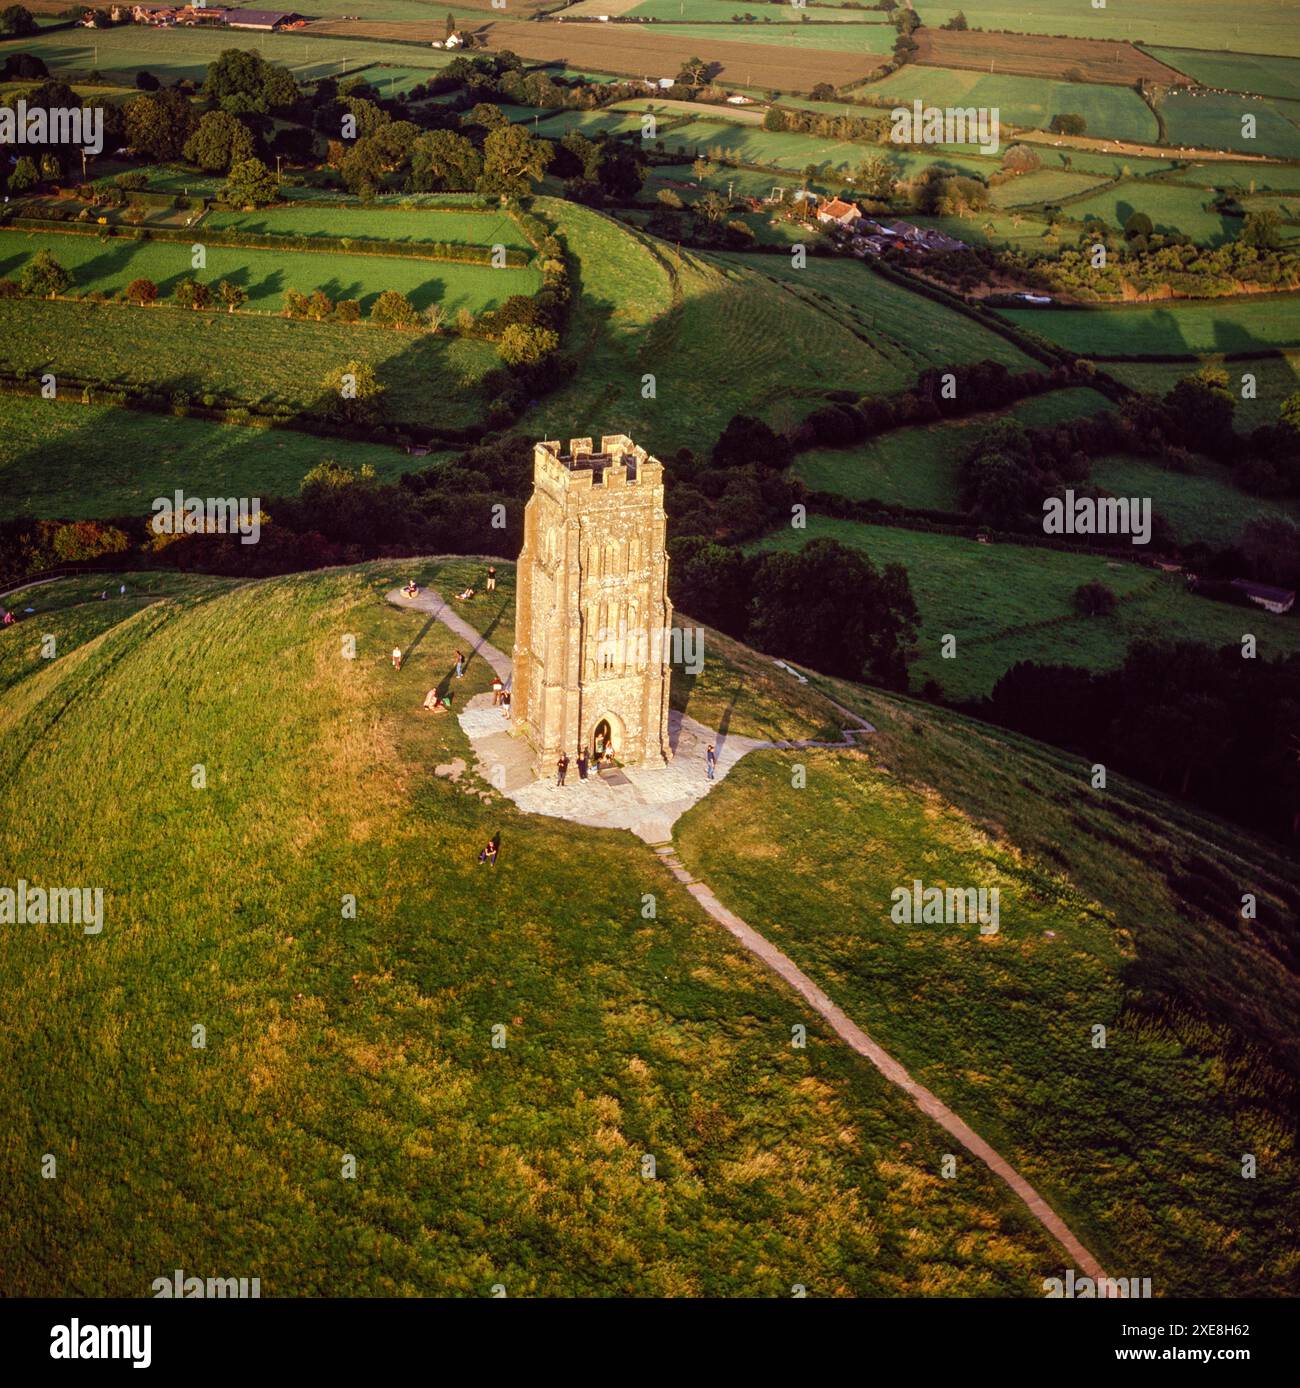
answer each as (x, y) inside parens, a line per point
(843, 214)
(265, 20)
(1275, 600)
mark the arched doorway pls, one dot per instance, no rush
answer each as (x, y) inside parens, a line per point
(602, 735)
(606, 735)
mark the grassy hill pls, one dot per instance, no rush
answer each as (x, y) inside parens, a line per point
(625, 1035)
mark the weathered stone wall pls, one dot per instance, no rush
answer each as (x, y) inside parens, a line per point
(593, 610)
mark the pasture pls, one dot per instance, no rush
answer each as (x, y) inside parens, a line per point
(1172, 209)
(1240, 72)
(917, 466)
(1182, 329)
(357, 223)
(1246, 178)
(1005, 603)
(60, 458)
(1264, 26)
(1200, 505)
(1215, 120)
(1115, 112)
(873, 41)
(265, 275)
(431, 380)
(1032, 55)
(1042, 186)
(1273, 379)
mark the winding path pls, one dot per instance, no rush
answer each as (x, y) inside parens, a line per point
(556, 802)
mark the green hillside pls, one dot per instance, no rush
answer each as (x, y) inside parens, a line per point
(626, 1034)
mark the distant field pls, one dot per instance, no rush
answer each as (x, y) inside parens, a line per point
(431, 380)
(643, 50)
(873, 39)
(997, 228)
(1279, 178)
(1175, 329)
(59, 458)
(722, 10)
(387, 223)
(265, 275)
(1241, 72)
(1045, 185)
(1264, 26)
(918, 466)
(1171, 209)
(1116, 112)
(1201, 505)
(173, 53)
(1213, 120)
(1033, 55)
(1275, 378)
(1005, 603)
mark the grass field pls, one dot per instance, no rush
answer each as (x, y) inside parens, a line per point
(1044, 185)
(645, 310)
(430, 379)
(1132, 1142)
(1275, 378)
(720, 11)
(1201, 505)
(1116, 112)
(374, 1037)
(1006, 603)
(1280, 178)
(1266, 26)
(918, 466)
(871, 40)
(1240, 72)
(265, 275)
(384, 223)
(171, 54)
(1035, 55)
(1213, 120)
(1182, 329)
(59, 458)
(1172, 208)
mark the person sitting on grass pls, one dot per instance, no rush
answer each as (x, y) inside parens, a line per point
(465, 596)
(9, 618)
(437, 703)
(490, 850)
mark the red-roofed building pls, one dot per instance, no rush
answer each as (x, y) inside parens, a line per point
(843, 214)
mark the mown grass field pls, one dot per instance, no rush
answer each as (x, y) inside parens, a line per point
(721, 11)
(1116, 112)
(1200, 505)
(1006, 603)
(1267, 26)
(918, 466)
(1241, 72)
(266, 275)
(59, 458)
(1213, 120)
(1275, 378)
(645, 309)
(372, 1036)
(380, 223)
(1138, 1144)
(429, 379)
(1179, 329)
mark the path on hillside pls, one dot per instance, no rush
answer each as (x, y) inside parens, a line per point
(556, 800)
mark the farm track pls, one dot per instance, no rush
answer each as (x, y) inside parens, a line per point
(635, 51)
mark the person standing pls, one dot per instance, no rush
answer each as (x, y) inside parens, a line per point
(497, 689)
(460, 665)
(397, 657)
(561, 768)
(710, 761)
(582, 765)
(492, 578)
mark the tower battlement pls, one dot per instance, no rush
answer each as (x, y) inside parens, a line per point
(591, 661)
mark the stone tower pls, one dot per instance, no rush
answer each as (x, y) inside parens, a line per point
(591, 657)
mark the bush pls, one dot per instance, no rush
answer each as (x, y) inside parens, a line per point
(141, 291)
(1093, 599)
(393, 309)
